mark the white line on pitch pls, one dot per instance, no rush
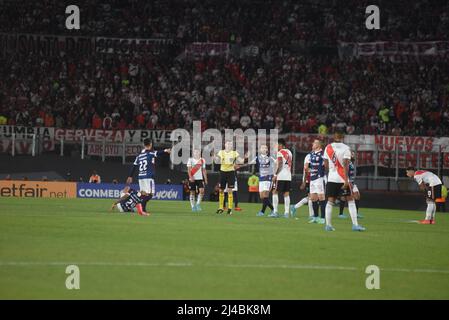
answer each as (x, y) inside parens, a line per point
(189, 264)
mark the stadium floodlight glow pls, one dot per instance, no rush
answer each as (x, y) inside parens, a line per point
(212, 140)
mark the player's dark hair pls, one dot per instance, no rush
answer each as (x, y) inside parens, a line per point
(282, 142)
(147, 142)
(410, 168)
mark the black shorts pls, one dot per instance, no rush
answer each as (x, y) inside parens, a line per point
(196, 184)
(282, 186)
(334, 190)
(434, 192)
(227, 177)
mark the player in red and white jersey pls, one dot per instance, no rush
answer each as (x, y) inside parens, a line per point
(337, 156)
(196, 168)
(429, 182)
(282, 179)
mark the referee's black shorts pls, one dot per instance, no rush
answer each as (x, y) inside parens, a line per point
(227, 178)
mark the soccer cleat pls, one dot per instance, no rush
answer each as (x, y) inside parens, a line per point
(194, 209)
(321, 220)
(230, 211)
(260, 214)
(292, 210)
(273, 215)
(198, 207)
(426, 222)
(238, 209)
(358, 228)
(329, 228)
(219, 211)
(286, 215)
(312, 220)
(342, 216)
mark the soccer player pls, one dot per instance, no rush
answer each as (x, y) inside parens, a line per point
(336, 160)
(429, 182)
(144, 163)
(227, 159)
(282, 179)
(317, 182)
(355, 190)
(196, 168)
(305, 185)
(130, 201)
(265, 164)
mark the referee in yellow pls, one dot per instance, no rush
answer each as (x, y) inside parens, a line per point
(227, 159)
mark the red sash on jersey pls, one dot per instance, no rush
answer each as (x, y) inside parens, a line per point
(286, 157)
(420, 172)
(197, 167)
(340, 169)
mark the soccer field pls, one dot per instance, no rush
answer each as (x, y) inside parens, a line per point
(177, 254)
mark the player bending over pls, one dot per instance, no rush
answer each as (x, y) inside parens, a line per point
(336, 161)
(355, 190)
(196, 168)
(282, 179)
(130, 201)
(227, 159)
(144, 164)
(317, 182)
(305, 185)
(429, 182)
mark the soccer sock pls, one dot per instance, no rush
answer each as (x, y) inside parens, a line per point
(310, 203)
(353, 212)
(434, 211)
(236, 198)
(200, 197)
(357, 205)
(225, 200)
(342, 207)
(192, 200)
(145, 199)
(315, 206)
(329, 207)
(275, 202)
(269, 205)
(264, 205)
(323, 208)
(301, 203)
(221, 200)
(230, 200)
(430, 210)
(286, 204)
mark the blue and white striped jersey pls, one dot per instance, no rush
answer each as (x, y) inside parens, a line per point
(316, 165)
(265, 165)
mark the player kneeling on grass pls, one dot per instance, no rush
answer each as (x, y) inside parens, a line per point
(130, 201)
(429, 182)
(196, 167)
(336, 160)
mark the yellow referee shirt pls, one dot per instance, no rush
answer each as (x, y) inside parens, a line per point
(227, 159)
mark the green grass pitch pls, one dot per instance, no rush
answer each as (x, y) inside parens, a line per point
(177, 254)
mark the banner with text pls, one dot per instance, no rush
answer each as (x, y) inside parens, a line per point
(112, 191)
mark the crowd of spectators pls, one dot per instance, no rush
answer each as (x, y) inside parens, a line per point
(275, 89)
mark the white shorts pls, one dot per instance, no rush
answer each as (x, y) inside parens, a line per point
(355, 189)
(119, 207)
(317, 186)
(147, 185)
(264, 186)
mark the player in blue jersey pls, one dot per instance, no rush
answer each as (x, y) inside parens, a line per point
(130, 201)
(315, 167)
(265, 164)
(355, 190)
(144, 164)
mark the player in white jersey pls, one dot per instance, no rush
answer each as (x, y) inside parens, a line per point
(429, 182)
(196, 168)
(336, 161)
(282, 179)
